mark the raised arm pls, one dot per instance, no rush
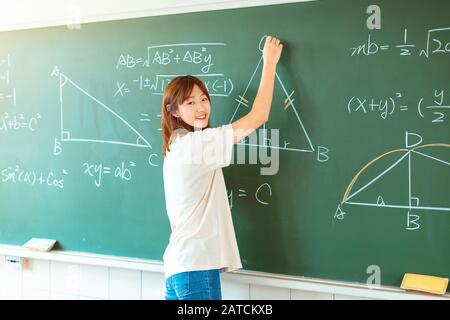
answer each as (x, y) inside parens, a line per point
(259, 114)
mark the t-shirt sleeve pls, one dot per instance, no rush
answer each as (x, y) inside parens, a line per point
(210, 148)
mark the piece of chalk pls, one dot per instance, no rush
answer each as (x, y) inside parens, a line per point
(424, 283)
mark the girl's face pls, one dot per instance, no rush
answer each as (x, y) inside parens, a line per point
(195, 110)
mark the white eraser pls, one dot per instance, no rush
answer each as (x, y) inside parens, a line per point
(39, 244)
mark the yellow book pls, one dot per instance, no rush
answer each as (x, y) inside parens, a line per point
(419, 282)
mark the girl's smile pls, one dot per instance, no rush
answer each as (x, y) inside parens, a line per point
(195, 110)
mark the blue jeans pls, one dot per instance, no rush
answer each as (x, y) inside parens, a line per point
(194, 285)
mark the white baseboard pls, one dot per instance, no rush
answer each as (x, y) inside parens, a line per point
(242, 276)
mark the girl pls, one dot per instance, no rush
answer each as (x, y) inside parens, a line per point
(203, 243)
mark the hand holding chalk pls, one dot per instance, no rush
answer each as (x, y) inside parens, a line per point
(272, 50)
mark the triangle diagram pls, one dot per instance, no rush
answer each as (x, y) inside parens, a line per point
(84, 118)
(383, 182)
(284, 115)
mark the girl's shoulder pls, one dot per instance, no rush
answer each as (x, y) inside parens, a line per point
(177, 135)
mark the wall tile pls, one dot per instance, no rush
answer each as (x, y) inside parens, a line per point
(10, 280)
(310, 295)
(153, 286)
(346, 297)
(94, 281)
(63, 296)
(65, 278)
(35, 294)
(36, 275)
(233, 290)
(124, 284)
(258, 292)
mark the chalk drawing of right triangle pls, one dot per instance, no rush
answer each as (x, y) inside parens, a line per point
(84, 118)
(375, 184)
(284, 115)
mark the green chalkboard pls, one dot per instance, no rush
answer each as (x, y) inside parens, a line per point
(363, 171)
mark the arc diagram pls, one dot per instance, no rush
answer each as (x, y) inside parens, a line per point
(411, 202)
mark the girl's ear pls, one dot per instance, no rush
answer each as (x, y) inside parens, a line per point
(175, 114)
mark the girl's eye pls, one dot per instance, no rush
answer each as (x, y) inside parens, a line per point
(191, 102)
(205, 99)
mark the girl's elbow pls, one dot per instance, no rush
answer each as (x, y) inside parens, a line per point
(263, 117)
(259, 117)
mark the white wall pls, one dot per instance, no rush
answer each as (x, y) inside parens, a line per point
(43, 279)
(20, 14)
(56, 276)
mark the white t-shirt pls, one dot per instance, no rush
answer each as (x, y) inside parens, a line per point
(197, 205)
